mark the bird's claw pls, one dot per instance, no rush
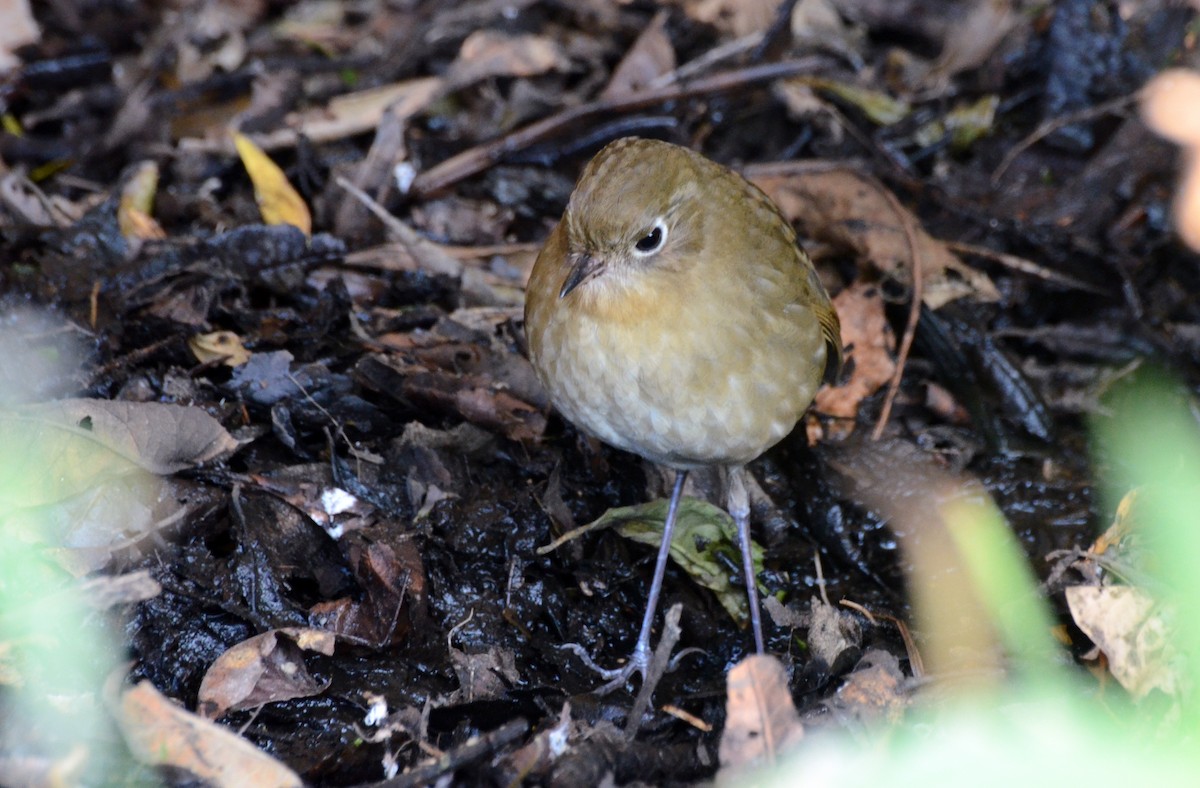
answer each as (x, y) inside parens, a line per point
(614, 678)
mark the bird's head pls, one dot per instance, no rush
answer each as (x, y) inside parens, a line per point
(636, 215)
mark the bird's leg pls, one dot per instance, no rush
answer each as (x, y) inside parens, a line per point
(639, 660)
(738, 501)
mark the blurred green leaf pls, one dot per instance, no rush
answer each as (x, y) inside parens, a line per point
(705, 544)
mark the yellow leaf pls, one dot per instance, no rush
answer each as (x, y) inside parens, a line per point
(137, 200)
(225, 346)
(277, 200)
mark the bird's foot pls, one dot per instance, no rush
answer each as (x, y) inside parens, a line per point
(615, 678)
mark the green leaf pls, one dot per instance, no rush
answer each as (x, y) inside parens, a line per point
(705, 544)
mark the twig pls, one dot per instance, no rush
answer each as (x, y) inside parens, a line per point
(655, 670)
(1025, 266)
(475, 748)
(475, 160)
(914, 312)
(427, 254)
(1054, 124)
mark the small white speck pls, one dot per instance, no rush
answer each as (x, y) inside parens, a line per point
(404, 174)
(557, 740)
(335, 500)
(377, 712)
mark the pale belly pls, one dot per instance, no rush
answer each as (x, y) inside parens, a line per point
(641, 394)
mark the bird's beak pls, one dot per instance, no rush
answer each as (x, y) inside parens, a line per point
(583, 268)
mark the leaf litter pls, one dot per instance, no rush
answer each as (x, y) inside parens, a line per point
(330, 428)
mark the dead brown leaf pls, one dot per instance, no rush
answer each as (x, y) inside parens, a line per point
(161, 733)
(740, 17)
(971, 40)
(344, 116)
(488, 53)
(874, 690)
(651, 56)
(486, 675)
(486, 385)
(761, 722)
(852, 211)
(117, 435)
(869, 340)
(1131, 628)
(84, 475)
(392, 579)
(266, 668)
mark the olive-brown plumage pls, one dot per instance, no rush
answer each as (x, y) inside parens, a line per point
(672, 314)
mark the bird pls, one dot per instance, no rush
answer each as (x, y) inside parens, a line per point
(672, 313)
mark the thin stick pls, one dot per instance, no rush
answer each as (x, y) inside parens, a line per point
(475, 160)
(1054, 124)
(1024, 265)
(914, 312)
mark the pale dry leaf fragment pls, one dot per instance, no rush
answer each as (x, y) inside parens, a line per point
(852, 210)
(161, 733)
(761, 722)
(19, 29)
(262, 669)
(873, 691)
(816, 21)
(136, 203)
(650, 57)
(831, 630)
(222, 346)
(86, 475)
(488, 53)
(344, 116)
(1132, 630)
(28, 205)
(971, 41)
(870, 342)
(740, 17)
(73, 444)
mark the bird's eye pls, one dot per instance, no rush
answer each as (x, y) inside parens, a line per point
(652, 241)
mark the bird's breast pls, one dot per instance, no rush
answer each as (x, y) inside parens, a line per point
(683, 378)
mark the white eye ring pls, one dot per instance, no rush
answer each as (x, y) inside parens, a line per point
(652, 241)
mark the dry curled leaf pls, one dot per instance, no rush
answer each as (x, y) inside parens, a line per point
(740, 17)
(223, 346)
(852, 210)
(761, 722)
(487, 53)
(137, 200)
(1133, 632)
(970, 42)
(60, 448)
(392, 579)
(263, 669)
(650, 57)
(161, 733)
(869, 340)
(875, 690)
